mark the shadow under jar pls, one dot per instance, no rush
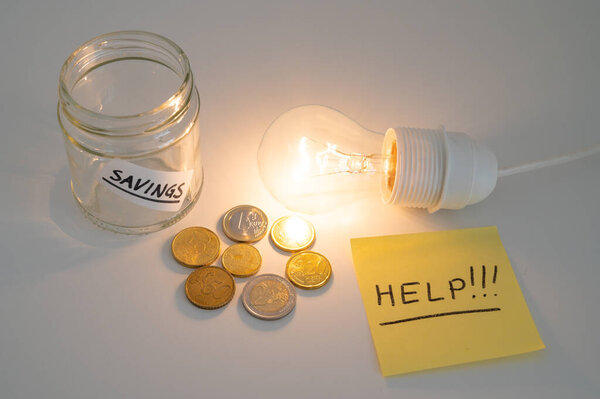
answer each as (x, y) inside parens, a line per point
(128, 109)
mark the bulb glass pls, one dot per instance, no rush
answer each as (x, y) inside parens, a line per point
(315, 159)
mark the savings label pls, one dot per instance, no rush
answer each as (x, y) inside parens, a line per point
(155, 189)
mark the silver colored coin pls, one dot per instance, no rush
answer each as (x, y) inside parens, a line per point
(269, 297)
(245, 223)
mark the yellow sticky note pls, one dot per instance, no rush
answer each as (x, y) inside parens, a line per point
(441, 298)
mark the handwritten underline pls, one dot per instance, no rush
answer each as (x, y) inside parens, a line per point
(141, 196)
(429, 316)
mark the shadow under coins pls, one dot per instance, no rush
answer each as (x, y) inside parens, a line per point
(221, 233)
(168, 260)
(316, 292)
(69, 218)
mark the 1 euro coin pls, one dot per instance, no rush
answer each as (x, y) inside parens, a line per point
(245, 223)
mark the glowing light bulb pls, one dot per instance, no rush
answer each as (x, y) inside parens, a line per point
(314, 159)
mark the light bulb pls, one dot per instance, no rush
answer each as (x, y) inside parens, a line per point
(313, 159)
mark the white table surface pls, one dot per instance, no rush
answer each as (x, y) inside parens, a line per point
(85, 313)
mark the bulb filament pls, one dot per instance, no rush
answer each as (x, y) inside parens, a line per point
(330, 160)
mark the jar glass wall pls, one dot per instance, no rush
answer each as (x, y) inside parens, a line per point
(129, 110)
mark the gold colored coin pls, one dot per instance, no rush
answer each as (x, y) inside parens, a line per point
(195, 246)
(292, 233)
(308, 270)
(210, 287)
(241, 260)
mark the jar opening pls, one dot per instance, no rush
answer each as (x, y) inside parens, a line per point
(121, 87)
(121, 83)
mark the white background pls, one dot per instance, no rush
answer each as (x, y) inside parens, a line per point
(85, 313)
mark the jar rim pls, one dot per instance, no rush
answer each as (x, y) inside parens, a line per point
(185, 89)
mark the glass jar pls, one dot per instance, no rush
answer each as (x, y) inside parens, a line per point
(128, 109)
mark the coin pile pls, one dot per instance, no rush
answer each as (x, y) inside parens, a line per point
(267, 296)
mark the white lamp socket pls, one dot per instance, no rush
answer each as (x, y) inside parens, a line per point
(435, 169)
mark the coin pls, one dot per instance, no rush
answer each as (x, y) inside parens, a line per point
(195, 246)
(269, 297)
(209, 287)
(241, 260)
(308, 270)
(245, 223)
(292, 233)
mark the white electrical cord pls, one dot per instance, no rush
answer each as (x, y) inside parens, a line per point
(548, 162)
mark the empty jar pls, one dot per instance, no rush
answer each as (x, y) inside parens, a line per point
(128, 109)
